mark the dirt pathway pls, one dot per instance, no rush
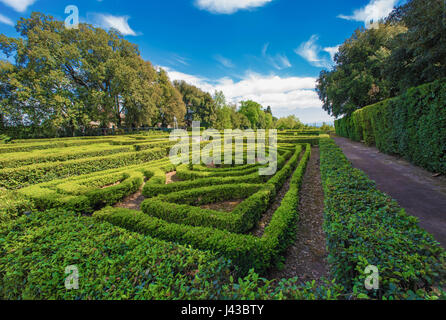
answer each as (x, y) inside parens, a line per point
(306, 259)
(415, 189)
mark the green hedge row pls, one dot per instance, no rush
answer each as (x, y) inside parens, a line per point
(365, 227)
(15, 160)
(27, 147)
(113, 263)
(86, 202)
(16, 178)
(240, 220)
(152, 190)
(314, 141)
(282, 229)
(412, 125)
(12, 205)
(90, 192)
(245, 251)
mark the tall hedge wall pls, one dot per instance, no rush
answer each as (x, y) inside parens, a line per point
(412, 125)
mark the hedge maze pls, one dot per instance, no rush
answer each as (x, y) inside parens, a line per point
(206, 220)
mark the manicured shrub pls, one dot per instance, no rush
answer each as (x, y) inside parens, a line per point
(191, 225)
(365, 227)
(16, 160)
(241, 219)
(282, 229)
(113, 263)
(151, 190)
(412, 126)
(15, 178)
(12, 205)
(245, 251)
(30, 146)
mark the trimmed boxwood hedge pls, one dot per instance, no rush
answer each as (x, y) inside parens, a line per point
(12, 205)
(240, 220)
(87, 193)
(15, 178)
(16, 160)
(117, 264)
(113, 263)
(365, 227)
(412, 125)
(31, 146)
(245, 251)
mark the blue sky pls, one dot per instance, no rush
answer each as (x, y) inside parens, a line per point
(270, 51)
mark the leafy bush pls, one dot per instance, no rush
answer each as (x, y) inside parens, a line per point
(245, 251)
(4, 139)
(365, 227)
(15, 160)
(51, 144)
(113, 263)
(412, 125)
(12, 205)
(282, 229)
(241, 219)
(15, 178)
(90, 192)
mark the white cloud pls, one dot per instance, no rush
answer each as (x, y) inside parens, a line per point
(6, 20)
(119, 23)
(332, 51)
(374, 11)
(18, 5)
(279, 61)
(286, 96)
(229, 6)
(311, 51)
(224, 61)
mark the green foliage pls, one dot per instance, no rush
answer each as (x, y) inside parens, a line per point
(4, 139)
(15, 160)
(290, 122)
(244, 251)
(419, 55)
(365, 227)
(60, 85)
(15, 178)
(357, 80)
(412, 125)
(201, 107)
(32, 146)
(113, 263)
(282, 229)
(12, 205)
(190, 225)
(170, 103)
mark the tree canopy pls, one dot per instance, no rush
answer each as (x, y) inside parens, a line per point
(66, 81)
(68, 78)
(406, 49)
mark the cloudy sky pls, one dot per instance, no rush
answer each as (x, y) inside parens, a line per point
(270, 51)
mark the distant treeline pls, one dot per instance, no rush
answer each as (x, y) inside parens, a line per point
(67, 82)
